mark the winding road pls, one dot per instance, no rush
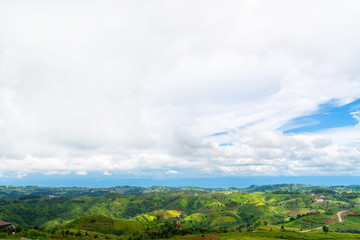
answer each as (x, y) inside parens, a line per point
(312, 229)
(339, 215)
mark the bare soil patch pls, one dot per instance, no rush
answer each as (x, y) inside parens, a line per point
(285, 212)
(350, 213)
(321, 221)
(307, 221)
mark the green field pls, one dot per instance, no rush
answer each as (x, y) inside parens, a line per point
(351, 218)
(288, 235)
(311, 221)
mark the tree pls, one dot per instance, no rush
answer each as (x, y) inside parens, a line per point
(325, 229)
(18, 229)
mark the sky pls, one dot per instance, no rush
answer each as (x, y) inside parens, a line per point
(168, 91)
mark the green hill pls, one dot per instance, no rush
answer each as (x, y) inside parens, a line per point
(105, 225)
(124, 211)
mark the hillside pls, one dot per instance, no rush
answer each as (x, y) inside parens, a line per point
(153, 210)
(104, 225)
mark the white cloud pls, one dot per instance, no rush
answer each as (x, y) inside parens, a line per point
(258, 153)
(107, 173)
(82, 173)
(171, 172)
(356, 115)
(128, 88)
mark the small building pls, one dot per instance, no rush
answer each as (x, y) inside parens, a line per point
(4, 224)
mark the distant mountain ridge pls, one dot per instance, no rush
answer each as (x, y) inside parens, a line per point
(17, 192)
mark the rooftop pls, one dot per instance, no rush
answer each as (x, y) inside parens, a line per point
(4, 224)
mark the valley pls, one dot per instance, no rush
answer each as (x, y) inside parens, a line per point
(257, 212)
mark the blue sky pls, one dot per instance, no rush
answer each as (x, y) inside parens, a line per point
(163, 91)
(329, 115)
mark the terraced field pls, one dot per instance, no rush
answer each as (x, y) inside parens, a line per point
(318, 218)
(310, 221)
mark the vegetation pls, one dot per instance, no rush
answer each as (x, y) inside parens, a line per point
(137, 213)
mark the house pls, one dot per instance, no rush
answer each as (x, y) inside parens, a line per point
(4, 224)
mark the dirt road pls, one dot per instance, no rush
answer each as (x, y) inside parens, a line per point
(339, 215)
(309, 230)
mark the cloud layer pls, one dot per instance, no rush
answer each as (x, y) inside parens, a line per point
(141, 87)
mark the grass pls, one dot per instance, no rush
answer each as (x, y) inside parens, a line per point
(275, 228)
(309, 221)
(320, 218)
(351, 224)
(287, 235)
(353, 219)
(355, 210)
(102, 224)
(345, 227)
(296, 224)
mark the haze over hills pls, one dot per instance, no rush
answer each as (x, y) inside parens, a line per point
(18, 192)
(98, 181)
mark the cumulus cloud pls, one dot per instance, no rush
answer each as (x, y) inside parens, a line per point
(107, 173)
(128, 88)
